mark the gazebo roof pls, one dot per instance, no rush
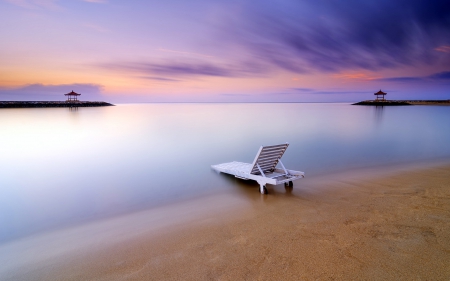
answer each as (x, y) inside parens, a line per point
(380, 93)
(72, 94)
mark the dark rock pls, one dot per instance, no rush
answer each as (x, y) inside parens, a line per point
(382, 103)
(37, 104)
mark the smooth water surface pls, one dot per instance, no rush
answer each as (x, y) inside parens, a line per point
(60, 167)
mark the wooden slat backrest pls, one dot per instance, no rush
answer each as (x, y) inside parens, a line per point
(267, 158)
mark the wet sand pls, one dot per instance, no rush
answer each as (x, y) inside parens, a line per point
(386, 225)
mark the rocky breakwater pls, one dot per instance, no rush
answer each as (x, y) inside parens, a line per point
(35, 104)
(403, 102)
(382, 103)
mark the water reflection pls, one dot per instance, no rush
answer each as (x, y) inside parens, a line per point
(61, 168)
(378, 110)
(288, 189)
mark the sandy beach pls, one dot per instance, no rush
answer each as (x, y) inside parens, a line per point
(382, 225)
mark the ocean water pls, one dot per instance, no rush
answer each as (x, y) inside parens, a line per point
(61, 167)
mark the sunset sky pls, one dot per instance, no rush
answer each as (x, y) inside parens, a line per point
(224, 50)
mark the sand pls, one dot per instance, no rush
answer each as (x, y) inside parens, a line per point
(381, 226)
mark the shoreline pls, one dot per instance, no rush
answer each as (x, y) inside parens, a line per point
(364, 224)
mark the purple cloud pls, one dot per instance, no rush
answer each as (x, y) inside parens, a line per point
(163, 79)
(303, 89)
(191, 68)
(332, 35)
(235, 95)
(440, 76)
(295, 92)
(445, 75)
(402, 79)
(36, 92)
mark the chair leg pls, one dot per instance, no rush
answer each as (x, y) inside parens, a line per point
(263, 189)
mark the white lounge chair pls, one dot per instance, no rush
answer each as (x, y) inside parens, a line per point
(264, 168)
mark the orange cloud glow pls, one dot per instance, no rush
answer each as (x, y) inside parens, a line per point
(355, 76)
(444, 49)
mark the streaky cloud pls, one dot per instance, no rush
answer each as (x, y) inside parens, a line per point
(235, 95)
(330, 36)
(295, 92)
(444, 49)
(445, 75)
(38, 87)
(96, 1)
(186, 68)
(162, 79)
(401, 79)
(50, 92)
(339, 92)
(440, 76)
(303, 89)
(35, 4)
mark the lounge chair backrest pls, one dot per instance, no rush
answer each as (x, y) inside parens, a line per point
(267, 158)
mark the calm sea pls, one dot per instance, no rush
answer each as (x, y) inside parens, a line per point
(61, 167)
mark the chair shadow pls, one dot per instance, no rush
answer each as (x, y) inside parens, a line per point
(250, 188)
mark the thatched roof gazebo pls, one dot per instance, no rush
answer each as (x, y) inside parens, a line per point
(380, 95)
(72, 97)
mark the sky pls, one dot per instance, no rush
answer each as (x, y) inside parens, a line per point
(224, 50)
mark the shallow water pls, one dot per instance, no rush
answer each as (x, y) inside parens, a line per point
(60, 167)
